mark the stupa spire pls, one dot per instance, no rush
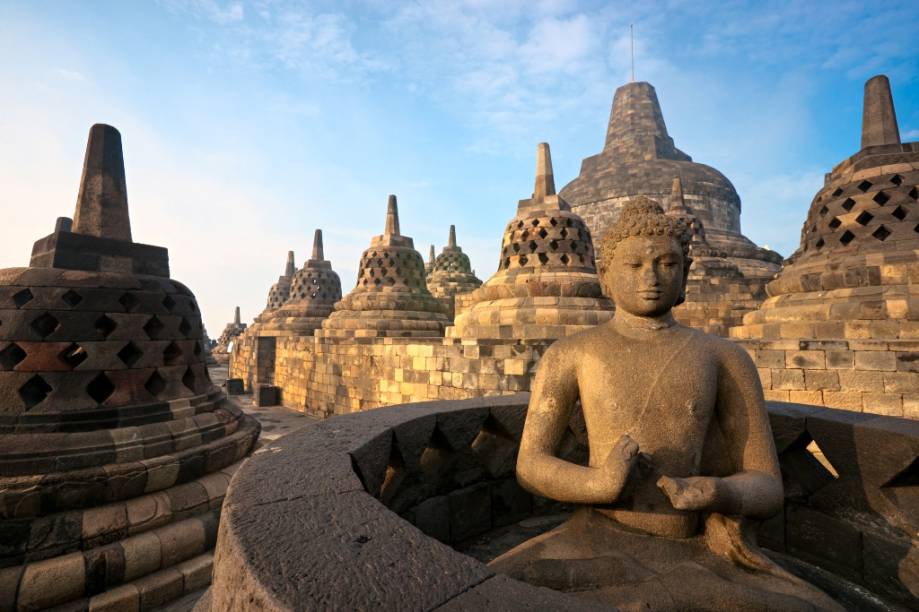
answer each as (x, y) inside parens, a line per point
(291, 266)
(545, 179)
(236, 319)
(677, 201)
(431, 255)
(392, 217)
(451, 240)
(102, 203)
(879, 119)
(318, 252)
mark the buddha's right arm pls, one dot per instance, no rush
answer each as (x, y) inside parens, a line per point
(539, 471)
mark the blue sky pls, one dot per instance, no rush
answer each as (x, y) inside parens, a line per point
(248, 124)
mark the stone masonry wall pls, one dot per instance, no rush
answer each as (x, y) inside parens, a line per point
(860, 375)
(333, 376)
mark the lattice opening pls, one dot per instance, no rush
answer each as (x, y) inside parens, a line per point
(847, 237)
(45, 325)
(533, 246)
(22, 298)
(837, 192)
(34, 391)
(814, 449)
(523, 260)
(899, 213)
(881, 233)
(849, 204)
(835, 223)
(72, 298)
(864, 186)
(11, 356)
(100, 388)
(169, 303)
(564, 259)
(864, 218)
(128, 301)
(129, 354)
(819, 244)
(105, 326)
(197, 349)
(153, 328)
(914, 193)
(823, 211)
(881, 198)
(185, 327)
(172, 354)
(73, 355)
(190, 380)
(543, 258)
(155, 384)
(896, 179)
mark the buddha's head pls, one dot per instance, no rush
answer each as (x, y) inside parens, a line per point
(644, 259)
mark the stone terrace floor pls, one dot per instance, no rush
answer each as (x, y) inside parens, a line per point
(276, 421)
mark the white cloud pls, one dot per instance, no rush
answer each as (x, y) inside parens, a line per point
(71, 75)
(910, 135)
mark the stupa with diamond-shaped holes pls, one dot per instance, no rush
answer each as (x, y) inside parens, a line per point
(841, 322)
(451, 274)
(115, 447)
(546, 286)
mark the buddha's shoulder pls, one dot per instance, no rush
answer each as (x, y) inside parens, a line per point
(723, 348)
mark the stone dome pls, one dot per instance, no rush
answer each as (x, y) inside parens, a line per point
(640, 158)
(314, 289)
(280, 291)
(546, 285)
(391, 297)
(109, 410)
(451, 274)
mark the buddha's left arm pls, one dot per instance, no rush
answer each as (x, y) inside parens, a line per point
(755, 488)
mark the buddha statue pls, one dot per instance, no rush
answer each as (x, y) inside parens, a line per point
(681, 451)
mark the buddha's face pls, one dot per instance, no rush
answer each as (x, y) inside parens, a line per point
(645, 277)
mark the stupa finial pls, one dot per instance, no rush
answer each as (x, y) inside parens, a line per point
(318, 252)
(236, 318)
(291, 266)
(392, 217)
(432, 255)
(451, 241)
(677, 201)
(545, 180)
(879, 119)
(102, 203)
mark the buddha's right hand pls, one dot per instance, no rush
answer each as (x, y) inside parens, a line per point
(615, 470)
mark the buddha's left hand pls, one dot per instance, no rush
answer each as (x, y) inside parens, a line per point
(693, 493)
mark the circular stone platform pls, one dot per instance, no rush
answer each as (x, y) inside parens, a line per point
(362, 511)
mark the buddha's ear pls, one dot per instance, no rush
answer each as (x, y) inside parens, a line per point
(687, 264)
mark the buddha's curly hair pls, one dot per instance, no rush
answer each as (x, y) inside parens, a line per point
(643, 216)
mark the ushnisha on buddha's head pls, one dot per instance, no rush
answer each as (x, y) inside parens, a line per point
(644, 259)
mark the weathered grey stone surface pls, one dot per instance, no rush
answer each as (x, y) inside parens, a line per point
(291, 540)
(640, 158)
(681, 454)
(840, 325)
(115, 446)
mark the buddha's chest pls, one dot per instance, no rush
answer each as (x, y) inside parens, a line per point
(662, 396)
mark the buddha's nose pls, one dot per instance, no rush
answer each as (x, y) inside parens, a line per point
(650, 277)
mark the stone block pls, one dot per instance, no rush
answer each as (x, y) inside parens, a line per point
(47, 583)
(856, 380)
(196, 572)
(821, 380)
(235, 386)
(160, 588)
(813, 360)
(470, 512)
(890, 404)
(876, 360)
(142, 555)
(846, 400)
(838, 360)
(432, 517)
(267, 395)
(788, 380)
(509, 502)
(124, 598)
(890, 569)
(769, 359)
(824, 540)
(806, 397)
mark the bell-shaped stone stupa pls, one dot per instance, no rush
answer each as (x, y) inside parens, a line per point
(840, 325)
(313, 291)
(546, 285)
(640, 158)
(115, 447)
(391, 298)
(451, 274)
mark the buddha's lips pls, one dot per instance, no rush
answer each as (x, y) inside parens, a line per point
(650, 294)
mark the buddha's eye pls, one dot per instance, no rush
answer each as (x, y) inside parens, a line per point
(633, 264)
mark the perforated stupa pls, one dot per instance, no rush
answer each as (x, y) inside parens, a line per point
(546, 285)
(451, 274)
(391, 298)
